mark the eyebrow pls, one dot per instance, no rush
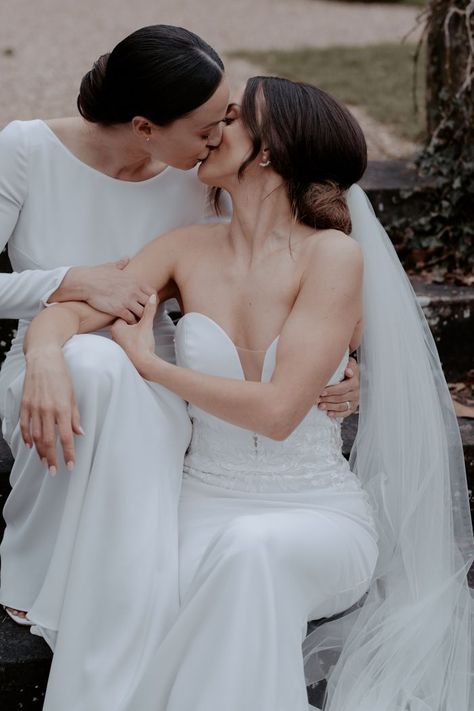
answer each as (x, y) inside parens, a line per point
(229, 108)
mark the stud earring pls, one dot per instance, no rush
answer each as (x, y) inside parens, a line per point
(147, 139)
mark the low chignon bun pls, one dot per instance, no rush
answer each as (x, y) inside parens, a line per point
(91, 102)
(323, 206)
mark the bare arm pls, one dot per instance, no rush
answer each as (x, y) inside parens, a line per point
(48, 399)
(109, 288)
(311, 346)
(154, 265)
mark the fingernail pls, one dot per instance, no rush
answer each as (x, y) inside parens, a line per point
(350, 371)
(81, 430)
(52, 470)
(70, 466)
(152, 299)
(28, 445)
(323, 406)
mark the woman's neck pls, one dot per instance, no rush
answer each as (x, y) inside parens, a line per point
(262, 218)
(112, 150)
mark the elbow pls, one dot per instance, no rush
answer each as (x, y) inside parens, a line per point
(280, 424)
(279, 434)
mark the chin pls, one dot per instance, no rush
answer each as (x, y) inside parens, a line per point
(184, 164)
(208, 176)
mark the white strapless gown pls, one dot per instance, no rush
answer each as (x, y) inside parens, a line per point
(271, 535)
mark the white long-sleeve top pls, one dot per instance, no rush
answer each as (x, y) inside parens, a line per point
(57, 212)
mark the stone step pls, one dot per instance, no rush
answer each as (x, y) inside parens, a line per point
(25, 660)
(449, 311)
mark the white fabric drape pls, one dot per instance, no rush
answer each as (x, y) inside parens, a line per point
(408, 647)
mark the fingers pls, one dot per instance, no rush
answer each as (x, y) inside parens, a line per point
(76, 421)
(122, 263)
(148, 291)
(329, 396)
(66, 437)
(25, 418)
(137, 309)
(46, 446)
(43, 435)
(340, 409)
(342, 413)
(127, 316)
(150, 309)
(36, 432)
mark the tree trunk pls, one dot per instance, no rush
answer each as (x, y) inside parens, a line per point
(449, 51)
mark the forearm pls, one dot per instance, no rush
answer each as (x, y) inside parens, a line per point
(58, 323)
(51, 329)
(251, 405)
(72, 287)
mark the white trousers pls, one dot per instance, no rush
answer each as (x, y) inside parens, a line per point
(92, 554)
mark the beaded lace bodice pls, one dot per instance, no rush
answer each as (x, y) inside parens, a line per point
(231, 457)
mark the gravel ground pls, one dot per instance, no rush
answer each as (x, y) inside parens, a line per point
(47, 45)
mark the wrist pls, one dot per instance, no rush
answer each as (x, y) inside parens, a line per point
(151, 367)
(43, 352)
(74, 286)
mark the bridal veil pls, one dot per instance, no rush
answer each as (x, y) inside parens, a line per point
(408, 645)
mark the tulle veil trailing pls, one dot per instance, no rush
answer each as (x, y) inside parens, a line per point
(409, 645)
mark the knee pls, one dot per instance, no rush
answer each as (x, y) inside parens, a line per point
(95, 360)
(247, 536)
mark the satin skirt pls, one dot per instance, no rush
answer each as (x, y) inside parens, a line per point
(253, 570)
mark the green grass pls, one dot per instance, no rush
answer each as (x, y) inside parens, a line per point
(418, 3)
(378, 78)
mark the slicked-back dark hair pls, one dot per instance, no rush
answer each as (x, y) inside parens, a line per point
(160, 72)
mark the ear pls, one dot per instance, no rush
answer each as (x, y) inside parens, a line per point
(142, 127)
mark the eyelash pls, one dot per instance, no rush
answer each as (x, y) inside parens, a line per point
(225, 121)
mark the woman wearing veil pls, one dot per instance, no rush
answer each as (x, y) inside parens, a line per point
(275, 528)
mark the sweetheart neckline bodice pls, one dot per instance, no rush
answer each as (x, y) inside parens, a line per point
(234, 347)
(232, 457)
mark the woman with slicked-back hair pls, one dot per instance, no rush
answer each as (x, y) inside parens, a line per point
(89, 555)
(275, 527)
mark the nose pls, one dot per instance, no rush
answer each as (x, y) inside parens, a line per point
(215, 136)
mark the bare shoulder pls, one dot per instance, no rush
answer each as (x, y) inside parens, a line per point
(333, 249)
(193, 237)
(186, 244)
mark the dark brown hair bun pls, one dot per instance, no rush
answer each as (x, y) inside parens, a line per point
(323, 206)
(91, 101)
